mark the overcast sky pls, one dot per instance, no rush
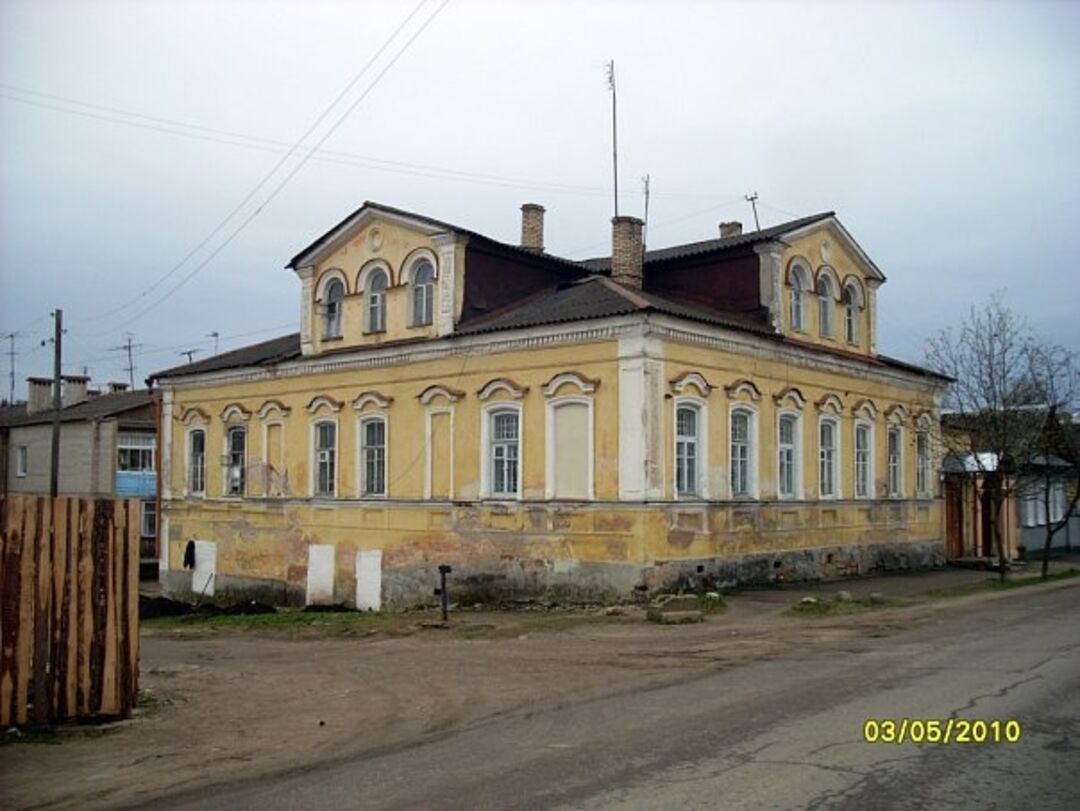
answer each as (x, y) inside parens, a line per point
(945, 136)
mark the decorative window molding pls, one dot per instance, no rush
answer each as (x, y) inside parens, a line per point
(364, 399)
(273, 408)
(193, 416)
(586, 385)
(826, 272)
(897, 412)
(690, 450)
(235, 411)
(789, 455)
(680, 384)
(373, 281)
(421, 287)
(324, 401)
(923, 418)
(413, 261)
(830, 403)
(431, 392)
(552, 443)
(328, 276)
(488, 456)
(792, 395)
(799, 279)
(736, 474)
(865, 407)
(363, 276)
(743, 388)
(502, 384)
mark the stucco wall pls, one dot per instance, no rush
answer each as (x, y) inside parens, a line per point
(87, 462)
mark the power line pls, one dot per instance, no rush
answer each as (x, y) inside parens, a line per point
(128, 346)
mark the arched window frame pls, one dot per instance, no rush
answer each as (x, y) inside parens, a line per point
(799, 280)
(374, 300)
(797, 454)
(194, 469)
(552, 404)
(317, 462)
(487, 461)
(421, 295)
(700, 482)
(331, 310)
(826, 287)
(854, 303)
(751, 412)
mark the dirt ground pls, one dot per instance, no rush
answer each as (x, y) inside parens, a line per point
(221, 705)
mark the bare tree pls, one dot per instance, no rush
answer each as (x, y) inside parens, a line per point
(988, 408)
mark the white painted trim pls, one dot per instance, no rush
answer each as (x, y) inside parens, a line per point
(431, 392)
(838, 455)
(428, 413)
(363, 276)
(702, 485)
(357, 222)
(866, 408)
(235, 411)
(486, 413)
(550, 450)
(361, 474)
(871, 450)
(273, 407)
(368, 569)
(695, 379)
(374, 398)
(323, 401)
(192, 416)
(584, 384)
(186, 490)
(225, 468)
(502, 384)
(798, 492)
(752, 479)
(830, 403)
(849, 242)
(312, 462)
(900, 461)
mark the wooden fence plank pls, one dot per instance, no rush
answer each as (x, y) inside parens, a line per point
(11, 625)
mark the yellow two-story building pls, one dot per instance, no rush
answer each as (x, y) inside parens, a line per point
(704, 414)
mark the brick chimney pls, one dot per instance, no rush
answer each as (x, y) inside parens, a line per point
(73, 391)
(113, 387)
(626, 251)
(39, 394)
(730, 229)
(532, 227)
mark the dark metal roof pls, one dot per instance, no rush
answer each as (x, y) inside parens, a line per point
(603, 263)
(598, 297)
(96, 408)
(267, 353)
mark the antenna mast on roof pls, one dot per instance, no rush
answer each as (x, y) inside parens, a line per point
(11, 336)
(752, 200)
(127, 346)
(614, 133)
(645, 227)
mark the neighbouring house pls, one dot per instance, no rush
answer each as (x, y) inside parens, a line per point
(708, 413)
(969, 515)
(108, 447)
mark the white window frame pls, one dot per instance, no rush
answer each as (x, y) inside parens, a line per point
(226, 478)
(826, 307)
(851, 318)
(22, 461)
(923, 466)
(898, 491)
(429, 298)
(801, 285)
(313, 477)
(868, 481)
(333, 325)
(837, 455)
(701, 487)
(361, 449)
(752, 473)
(797, 456)
(487, 414)
(126, 440)
(143, 511)
(550, 450)
(366, 277)
(188, 469)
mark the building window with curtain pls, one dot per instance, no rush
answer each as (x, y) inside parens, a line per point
(236, 461)
(504, 453)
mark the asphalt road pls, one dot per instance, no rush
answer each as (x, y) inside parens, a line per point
(778, 734)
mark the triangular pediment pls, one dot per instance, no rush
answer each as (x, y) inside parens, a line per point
(836, 230)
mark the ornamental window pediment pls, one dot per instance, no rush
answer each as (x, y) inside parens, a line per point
(687, 382)
(502, 385)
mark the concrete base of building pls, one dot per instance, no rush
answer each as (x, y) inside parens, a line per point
(566, 581)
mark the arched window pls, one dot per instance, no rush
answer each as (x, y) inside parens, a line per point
(825, 307)
(687, 419)
(332, 301)
(236, 455)
(423, 293)
(197, 462)
(376, 301)
(853, 305)
(799, 288)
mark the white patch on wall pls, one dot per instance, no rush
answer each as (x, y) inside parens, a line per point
(204, 574)
(320, 574)
(369, 580)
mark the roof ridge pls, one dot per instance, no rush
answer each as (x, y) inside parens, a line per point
(622, 290)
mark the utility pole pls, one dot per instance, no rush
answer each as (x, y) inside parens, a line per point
(752, 200)
(11, 336)
(215, 335)
(645, 229)
(54, 471)
(614, 133)
(127, 346)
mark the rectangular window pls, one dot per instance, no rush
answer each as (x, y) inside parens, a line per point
(236, 461)
(135, 452)
(787, 456)
(148, 525)
(922, 457)
(895, 469)
(741, 452)
(827, 459)
(373, 457)
(504, 453)
(197, 462)
(325, 458)
(22, 465)
(862, 461)
(686, 451)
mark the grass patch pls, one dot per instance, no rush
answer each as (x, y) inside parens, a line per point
(47, 737)
(831, 607)
(991, 584)
(712, 603)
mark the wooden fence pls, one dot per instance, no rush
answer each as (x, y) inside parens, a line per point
(69, 608)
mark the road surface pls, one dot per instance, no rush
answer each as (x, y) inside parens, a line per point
(779, 734)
